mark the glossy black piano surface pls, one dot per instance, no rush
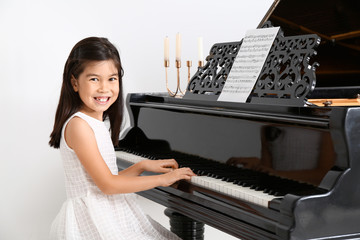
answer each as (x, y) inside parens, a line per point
(305, 157)
(318, 198)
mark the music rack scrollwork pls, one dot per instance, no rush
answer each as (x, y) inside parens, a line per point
(209, 80)
(288, 75)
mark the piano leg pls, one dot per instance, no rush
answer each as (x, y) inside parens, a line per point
(185, 227)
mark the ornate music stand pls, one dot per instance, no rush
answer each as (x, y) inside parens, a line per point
(287, 77)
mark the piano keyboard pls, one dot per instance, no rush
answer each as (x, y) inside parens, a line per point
(223, 186)
(129, 157)
(233, 190)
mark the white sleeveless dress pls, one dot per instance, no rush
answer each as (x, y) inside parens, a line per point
(90, 214)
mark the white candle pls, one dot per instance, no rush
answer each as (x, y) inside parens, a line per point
(178, 47)
(166, 49)
(200, 49)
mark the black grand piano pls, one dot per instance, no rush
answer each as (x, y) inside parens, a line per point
(283, 165)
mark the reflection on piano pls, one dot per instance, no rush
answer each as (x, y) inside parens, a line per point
(284, 169)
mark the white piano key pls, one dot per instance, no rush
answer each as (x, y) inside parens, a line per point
(132, 158)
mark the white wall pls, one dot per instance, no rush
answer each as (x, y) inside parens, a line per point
(35, 39)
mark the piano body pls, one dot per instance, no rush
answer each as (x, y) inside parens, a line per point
(283, 165)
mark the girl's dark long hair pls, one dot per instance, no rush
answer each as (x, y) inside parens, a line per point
(88, 49)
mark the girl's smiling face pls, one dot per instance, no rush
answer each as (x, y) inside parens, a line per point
(98, 87)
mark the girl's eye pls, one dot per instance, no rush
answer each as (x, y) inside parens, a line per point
(113, 79)
(94, 79)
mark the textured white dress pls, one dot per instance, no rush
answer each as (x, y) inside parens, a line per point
(88, 213)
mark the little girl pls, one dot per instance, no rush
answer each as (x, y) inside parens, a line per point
(100, 200)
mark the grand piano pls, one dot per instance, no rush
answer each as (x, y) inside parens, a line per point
(283, 165)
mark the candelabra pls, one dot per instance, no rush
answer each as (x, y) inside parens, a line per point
(178, 91)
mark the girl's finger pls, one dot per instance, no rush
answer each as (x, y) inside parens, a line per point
(170, 163)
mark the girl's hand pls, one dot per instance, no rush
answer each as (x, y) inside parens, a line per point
(176, 175)
(159, 166)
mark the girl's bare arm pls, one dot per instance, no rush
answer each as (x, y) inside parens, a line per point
(80, 137)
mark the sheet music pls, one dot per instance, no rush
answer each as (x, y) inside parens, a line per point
(248, 64)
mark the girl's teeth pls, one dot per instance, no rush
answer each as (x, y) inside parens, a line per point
(102, 99)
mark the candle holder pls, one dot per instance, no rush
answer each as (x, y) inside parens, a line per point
(188, 64)
(178, 91)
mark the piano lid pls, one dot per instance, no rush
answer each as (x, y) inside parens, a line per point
(337, 22)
